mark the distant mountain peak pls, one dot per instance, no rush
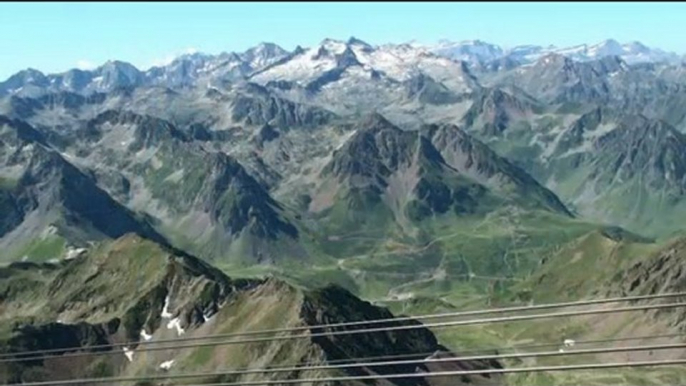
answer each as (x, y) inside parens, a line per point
(478, 51)
(263, 54)
(268, 46)
(355, 41)
(298, 50)
(333, 44)
(611, 42)
(118, 64)
(475, 42)
(29, 75)
(267, 50)
(469, 50)
(31, 71)
(608, 47)
(347, 58)
(638, 46)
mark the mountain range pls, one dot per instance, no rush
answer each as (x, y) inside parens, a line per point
(420, 177)
(477, 51)
(179, 295)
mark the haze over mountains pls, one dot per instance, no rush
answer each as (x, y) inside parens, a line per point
(453, 173)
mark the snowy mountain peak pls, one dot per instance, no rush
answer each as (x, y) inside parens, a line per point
(267, 46)
(193, 57)
(117, 64)
(333, 62)
(18, 81)
(608, 47)
(114, 74)
(263, 54)
(469, 50)
(612, 42)
(31, 72)
(333, 46)
(112, 66)
(476, 51)
(266, 49)
(637, 47)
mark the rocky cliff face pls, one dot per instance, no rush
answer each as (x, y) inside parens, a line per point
(255, 105)
(43, 192)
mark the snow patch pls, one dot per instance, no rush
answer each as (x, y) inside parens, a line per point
(128, 353)
(403, 296)
(165, 310)
(155, 162)
(175, 177)
(211, 87)
(74, 253)
(145, 335)
(50, 230)
(176, 323)
(590, 138)
(300, 68)
(207, 317)
(167, 365)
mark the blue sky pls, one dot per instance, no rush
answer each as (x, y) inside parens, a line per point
(54, 37)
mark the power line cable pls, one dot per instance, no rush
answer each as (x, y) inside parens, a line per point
(361, 365)
(23, 356)
(372, 322)
(397, 356)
